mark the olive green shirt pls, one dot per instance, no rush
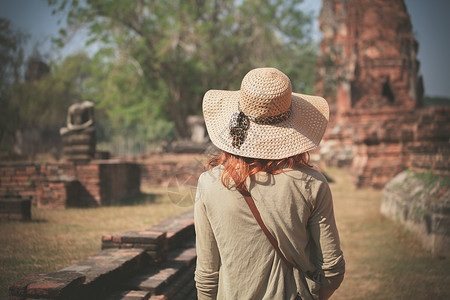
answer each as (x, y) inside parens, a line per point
(235, 260)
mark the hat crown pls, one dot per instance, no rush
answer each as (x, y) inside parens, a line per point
(265, 92)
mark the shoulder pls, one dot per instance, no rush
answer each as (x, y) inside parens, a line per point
(210, 181)
(210, 176)
(311, 183)
(306, 174)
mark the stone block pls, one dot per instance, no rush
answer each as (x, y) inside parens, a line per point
(112, 263)
(15, 208)
(153, 242)
(162, 275)
(144, 237)
(179, 287)
(422, 203)
(60, 285)
(130, 295)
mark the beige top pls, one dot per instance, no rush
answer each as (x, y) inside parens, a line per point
(235, 260)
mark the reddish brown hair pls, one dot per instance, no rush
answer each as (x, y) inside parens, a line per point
(246, 166)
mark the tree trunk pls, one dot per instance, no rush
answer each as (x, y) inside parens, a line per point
(179, 115)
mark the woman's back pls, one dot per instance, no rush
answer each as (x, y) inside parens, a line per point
(249, 267)
(265, 132)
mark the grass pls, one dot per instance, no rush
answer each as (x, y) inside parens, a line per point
(384, 261)
(55, 239)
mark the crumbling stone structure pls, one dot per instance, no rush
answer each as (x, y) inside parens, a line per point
(156, 263)
(67, 184)
(421, 202)
(369, 73)
(198, 143)
(15, 208)
(78, 138)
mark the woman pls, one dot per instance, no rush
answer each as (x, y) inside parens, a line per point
(265, 132)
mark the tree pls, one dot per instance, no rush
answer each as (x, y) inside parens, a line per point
(128, 112)
(40, 102)
(44, 101)
(11, 61)
(184, 47)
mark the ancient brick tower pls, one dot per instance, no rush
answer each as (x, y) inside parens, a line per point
(369, 56)
(369, 74)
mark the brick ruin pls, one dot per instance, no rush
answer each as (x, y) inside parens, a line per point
(156, 263)
(67, 184)
(421, 203)
(379, 125)
(369, 73)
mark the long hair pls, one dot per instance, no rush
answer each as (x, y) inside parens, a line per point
(246, 167)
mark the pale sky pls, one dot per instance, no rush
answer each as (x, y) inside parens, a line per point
(429, 18)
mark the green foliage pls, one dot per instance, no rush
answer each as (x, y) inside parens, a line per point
(11, 60)
(430, 179)
(43, 103)
(160, 57)
(129, 107)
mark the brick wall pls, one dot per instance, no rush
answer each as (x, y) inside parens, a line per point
(172, 170)
(20, 179)
(58, 185)
(118, 180)
(385, 144)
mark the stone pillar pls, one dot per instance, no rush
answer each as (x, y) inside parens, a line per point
(197, 127)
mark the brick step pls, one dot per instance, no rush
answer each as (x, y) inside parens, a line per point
(171, 279)
(178, 228)
(57, 285)
(158, 278)
(159, 261)
(92, 278)
(108, 268)
(158, 239)
(153, 242)
(131, 295)
(182, 288)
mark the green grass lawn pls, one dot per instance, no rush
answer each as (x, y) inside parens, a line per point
(384, 261)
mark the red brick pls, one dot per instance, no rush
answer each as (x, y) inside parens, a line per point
(43, 289)
(107, 238)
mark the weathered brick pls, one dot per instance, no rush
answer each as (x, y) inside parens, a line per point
(107, 238)
(117, 239)
(19, 287)
(131, 295)
(144, 237)
(112, 263)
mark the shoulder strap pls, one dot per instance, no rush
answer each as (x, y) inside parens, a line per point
(251, 204)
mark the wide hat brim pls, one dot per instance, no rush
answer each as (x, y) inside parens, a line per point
(301, 132)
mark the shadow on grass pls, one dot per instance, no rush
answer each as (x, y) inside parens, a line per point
(142, 198)
(24, 221)
(37, 221)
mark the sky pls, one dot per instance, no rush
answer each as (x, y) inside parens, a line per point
(429, 19)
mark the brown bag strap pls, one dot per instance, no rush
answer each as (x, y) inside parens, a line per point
(251, 204)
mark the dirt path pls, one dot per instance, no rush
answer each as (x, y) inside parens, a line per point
(383, 261)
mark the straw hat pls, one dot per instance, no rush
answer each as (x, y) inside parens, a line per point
(265, 119)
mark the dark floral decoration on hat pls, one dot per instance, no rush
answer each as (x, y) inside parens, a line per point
(240, 123)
